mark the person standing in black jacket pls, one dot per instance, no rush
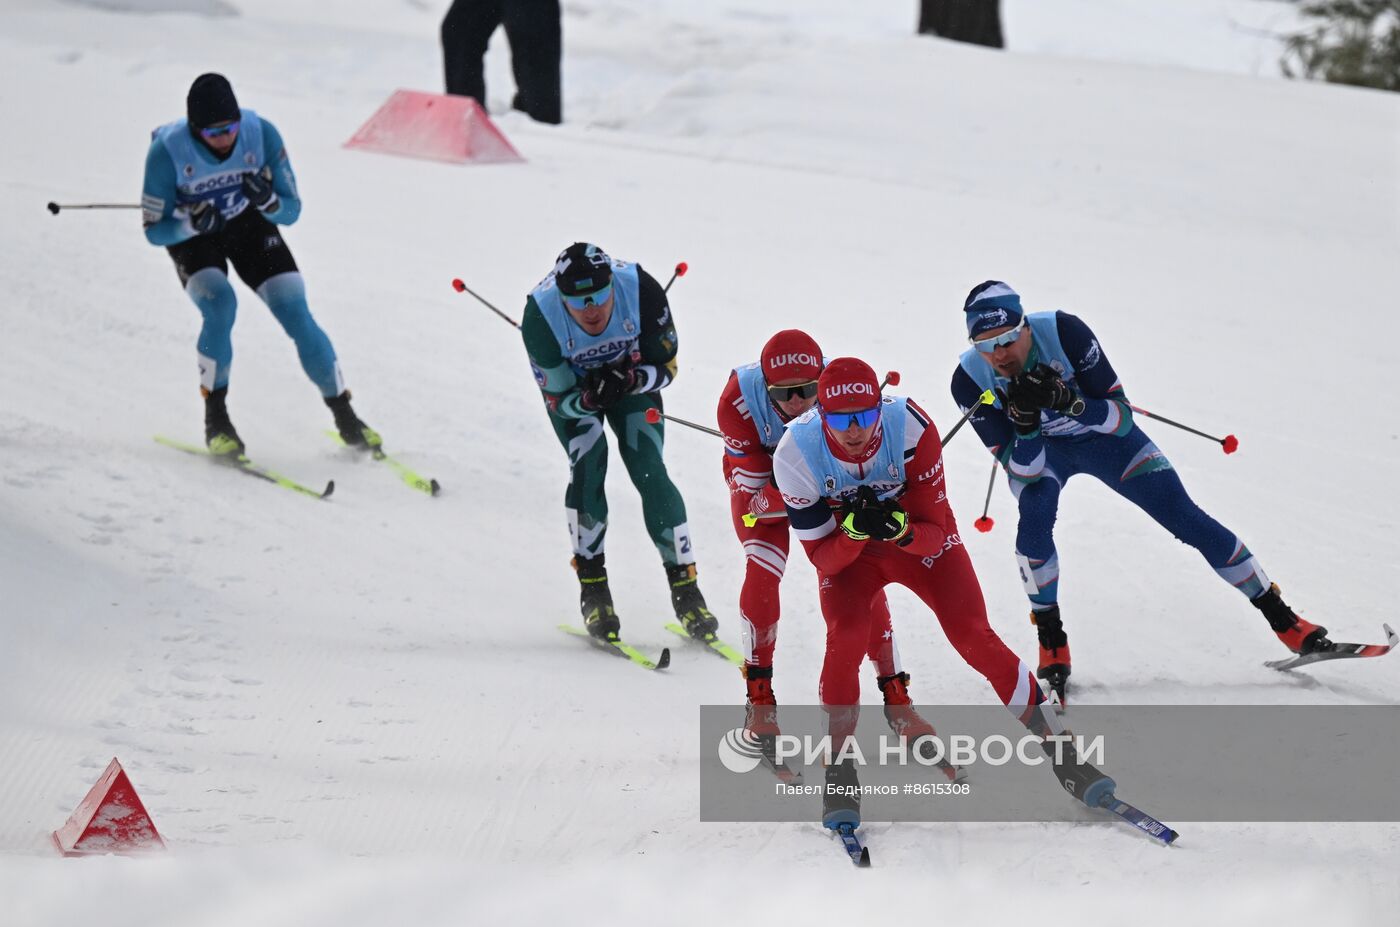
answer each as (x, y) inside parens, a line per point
(536, 49)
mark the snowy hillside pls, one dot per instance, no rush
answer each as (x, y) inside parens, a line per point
(359, 711)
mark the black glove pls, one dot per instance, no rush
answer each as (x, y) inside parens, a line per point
(1025, 418)
(867, 517)
(206, 218)
(1042, 388)
(604, 388)
(258, 189)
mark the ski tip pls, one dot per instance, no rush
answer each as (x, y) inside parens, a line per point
(434, 487)
(1390, 635)
(330, 488)
(864, 861)
(664, 660)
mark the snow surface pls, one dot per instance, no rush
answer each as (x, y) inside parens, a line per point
(359, 712)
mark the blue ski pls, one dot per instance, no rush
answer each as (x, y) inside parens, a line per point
(1139, 819)
(860, 855)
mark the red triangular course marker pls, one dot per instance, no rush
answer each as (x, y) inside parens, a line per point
(110, 819)
(436, 127)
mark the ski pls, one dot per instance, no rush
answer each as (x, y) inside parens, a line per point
(244, 465)
(1139, 819)
(768, 748)
(1340, 651)
(859, 854)
(618, 648)
(712, 643)
(410, 477)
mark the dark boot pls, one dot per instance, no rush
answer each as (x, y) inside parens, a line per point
(219, 435)
(689, 603)
(595, 599)
(841, 806)
(1297, 635)
(353, 432)
(1054, 648)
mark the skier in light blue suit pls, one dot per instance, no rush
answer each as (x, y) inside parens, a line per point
(217, 185)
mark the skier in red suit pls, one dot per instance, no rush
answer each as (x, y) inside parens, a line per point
(861, 477)
(754, 409)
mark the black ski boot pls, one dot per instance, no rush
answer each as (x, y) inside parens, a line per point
(689, 603)
(841, 797)
(1299, 636)
(1077, 776)
(1054, 649)
(219, 435)
(353, 432)
(595, 599)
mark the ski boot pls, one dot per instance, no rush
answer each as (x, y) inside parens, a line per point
(219, 435)
(595, 600)
(909, 725)
(1077, 776)
(353, 432)
(761, 708)
(841, 797)
(1054, 649)
(1299, 636)
(689, 603)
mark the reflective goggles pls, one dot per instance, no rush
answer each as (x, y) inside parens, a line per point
(988, 345)
(840, 421)
(806, 390)
(580, 303)
(212, 132)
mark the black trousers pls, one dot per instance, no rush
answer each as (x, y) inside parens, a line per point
(253, 244)
(536, 48)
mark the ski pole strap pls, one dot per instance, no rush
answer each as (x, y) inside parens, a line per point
(986, 399)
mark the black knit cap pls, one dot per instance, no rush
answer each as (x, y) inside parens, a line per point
(210, 100)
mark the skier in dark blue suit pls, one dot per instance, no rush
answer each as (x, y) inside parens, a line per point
(1061, 410)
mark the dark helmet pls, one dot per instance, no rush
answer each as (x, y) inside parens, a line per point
(581, 269)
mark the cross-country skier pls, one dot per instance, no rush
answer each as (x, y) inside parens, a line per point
(755, 408)
(1061, 411)
(861, 477)
(218, 183)
(602, 345)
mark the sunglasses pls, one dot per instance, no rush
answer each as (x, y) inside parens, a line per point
(806, 390)
(580, 303)
(218, 131)
(840, 421)
(988, 345)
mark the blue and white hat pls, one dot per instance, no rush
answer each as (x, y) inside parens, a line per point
(991, 304)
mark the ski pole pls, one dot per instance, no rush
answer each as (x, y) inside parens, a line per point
(55, 207)
(986, 399)
(461, 287)
(680, 270)
(1229, 444)
(984, 524)
(655, 415)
